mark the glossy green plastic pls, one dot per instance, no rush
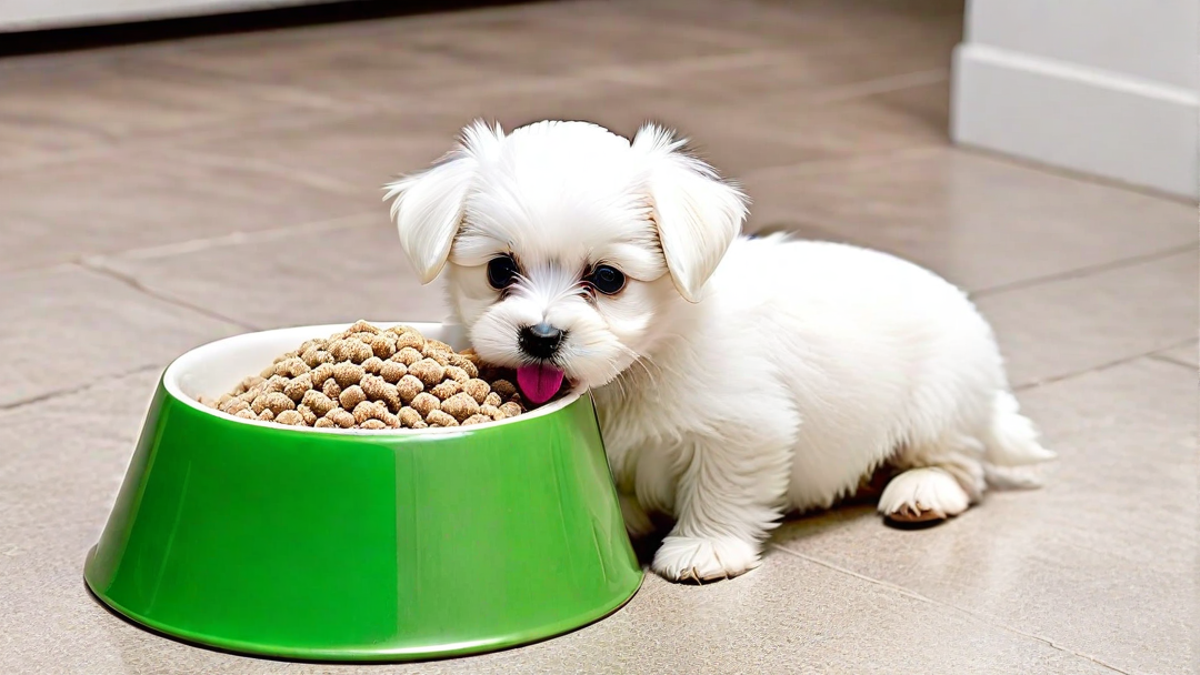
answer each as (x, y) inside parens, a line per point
(368, 546)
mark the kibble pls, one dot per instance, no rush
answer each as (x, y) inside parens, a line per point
(368, 378)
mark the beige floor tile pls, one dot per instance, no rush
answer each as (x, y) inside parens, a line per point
(324, 275)
(1102, 561)
(138, 199)
(1072, 325)
(92, 104)
(65, 328)
(981, 222)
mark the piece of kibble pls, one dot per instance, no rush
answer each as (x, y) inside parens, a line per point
(318, 402)
(409, 417)
(369, 410)
(324, 423)
(279, 402)
(268, 371)
(430, 372)
(251, 381)
(410, 340)
(457, 374)
(409, 387)
(461, 406)
(292, 367)
(460, 361)
(346, 374)
(478, 389)
(296, 388)
(361, 326)
(331, 389)
(266, 415)
(391, 371)
(493, 399)
(407, 356)
(234, 406)
(259, 404)
(425, 403)
(504, 388)
(492, 412)
(438, 418)
(357, 350)
(341, 418)
(246, 413)
(310, 417)
(373, 365)
(275, 384)
(377, 389)
(321, 373)
(352, 396)
(313, 357)
(511, 409)
(446, 389)
(476, 419)
(439, 346)
(373, 424)
(383, 347)
(289, 417)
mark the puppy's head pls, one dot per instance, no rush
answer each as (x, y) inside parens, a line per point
(564, 243)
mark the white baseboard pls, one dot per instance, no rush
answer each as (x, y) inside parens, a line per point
(22, 15)
(1063, 115)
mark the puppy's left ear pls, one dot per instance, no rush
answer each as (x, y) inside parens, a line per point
(697, 214)
(428, 206)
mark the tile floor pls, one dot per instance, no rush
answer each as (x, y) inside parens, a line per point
(137, 184)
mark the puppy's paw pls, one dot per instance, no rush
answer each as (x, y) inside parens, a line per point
(922, 496)
(699, 559)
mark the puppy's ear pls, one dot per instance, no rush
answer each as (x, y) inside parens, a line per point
(428, 206)
(697, 214)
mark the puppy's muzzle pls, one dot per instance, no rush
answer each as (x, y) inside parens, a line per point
(541, 341)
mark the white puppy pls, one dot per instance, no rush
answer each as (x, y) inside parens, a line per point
(736, 379)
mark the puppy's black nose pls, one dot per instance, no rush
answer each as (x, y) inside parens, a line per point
(540, 341)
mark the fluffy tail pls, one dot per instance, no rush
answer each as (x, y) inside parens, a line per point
(1011, 443)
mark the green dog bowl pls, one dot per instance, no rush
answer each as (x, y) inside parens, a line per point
(345, 545)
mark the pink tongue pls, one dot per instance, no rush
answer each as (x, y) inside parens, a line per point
(539, 383)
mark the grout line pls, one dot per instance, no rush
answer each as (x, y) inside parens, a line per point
(881, 85)
(1085, 271)
(39, 398)
(1110, 364)
(1165, 358)
(94, 265)
(983, 618)
(231, 239)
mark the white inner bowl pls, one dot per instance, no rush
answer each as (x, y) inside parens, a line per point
(217, 367)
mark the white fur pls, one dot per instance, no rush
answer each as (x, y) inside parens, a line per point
(728, 393)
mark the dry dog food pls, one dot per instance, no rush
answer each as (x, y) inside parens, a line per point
(369, 378)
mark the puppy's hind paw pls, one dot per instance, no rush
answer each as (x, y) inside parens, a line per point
(699, 559)
(925, 495)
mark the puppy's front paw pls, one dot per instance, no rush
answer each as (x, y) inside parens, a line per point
(923, 496)
(700, 559)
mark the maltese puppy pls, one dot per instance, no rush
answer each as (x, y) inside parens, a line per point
(736, 379)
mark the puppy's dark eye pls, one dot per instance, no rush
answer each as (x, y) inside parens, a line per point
(502, 272)
(607, 279)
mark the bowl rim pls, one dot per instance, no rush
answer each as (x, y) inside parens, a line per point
(194, 358)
